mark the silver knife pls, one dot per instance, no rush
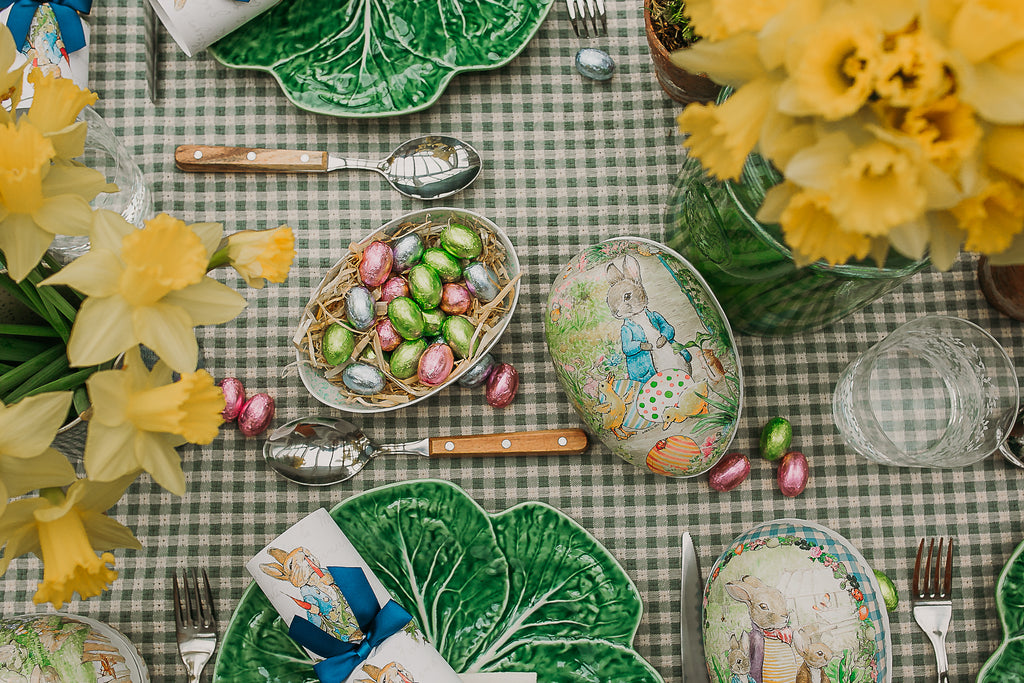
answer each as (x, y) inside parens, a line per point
(691, 598)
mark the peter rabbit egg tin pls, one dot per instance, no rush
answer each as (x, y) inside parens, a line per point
(646, 356)
(791, 601)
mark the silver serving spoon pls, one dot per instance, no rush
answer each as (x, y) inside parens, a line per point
(429, 167)
(318, 451)
(1013, 448)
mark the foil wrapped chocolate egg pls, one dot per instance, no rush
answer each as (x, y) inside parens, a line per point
(479, 373)
(481, 281)
(461, 241)
(455, 299)
(405, 315)
(458, 332)
(446, 265)
(502, 385)
(407, 251)
(406, 358)
(729, 472)
(388, 336)
(435, 364)
(359, 308)
(793, 474)
(393, 288)
(363, 379)
(425, 286)
(375, 264)
(256, 414)
(337, 344)
(433, 318)
(234, 398)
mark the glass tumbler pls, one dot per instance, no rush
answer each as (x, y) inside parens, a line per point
(937, 392)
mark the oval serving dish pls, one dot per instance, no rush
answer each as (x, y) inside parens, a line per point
(646, 356)
(324, 382)
(792, 600)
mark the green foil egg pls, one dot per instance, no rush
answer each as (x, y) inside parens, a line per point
(458, 332)
(406, 358)
(432, 320)
(775, 438)
(406, 317)
(337, 344)
(461, 241)
(446, 265)
(425, 286)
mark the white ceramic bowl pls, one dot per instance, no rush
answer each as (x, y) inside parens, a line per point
(335, 396)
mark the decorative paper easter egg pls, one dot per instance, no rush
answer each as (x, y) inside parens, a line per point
(798, 602)
(645, 354)
(479, 373)
(66, 647)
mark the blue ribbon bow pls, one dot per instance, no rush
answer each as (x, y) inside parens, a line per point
(66, 12)
(377, 624)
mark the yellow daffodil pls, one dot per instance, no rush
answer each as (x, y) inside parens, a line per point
(1004, 150)
(26, 430)
(719, 19)
(993, 217)
(880, 188)
(812, 231)
(912, 72)
(11, 79)
(722, 136)
(39, 200)
(56, 103)
(66, 531)
(139, 417)
(146, 287)
(261, 255)
(832, 65)
(732, 61)
(945, 130)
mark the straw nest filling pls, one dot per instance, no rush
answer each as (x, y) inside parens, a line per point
(327, 307)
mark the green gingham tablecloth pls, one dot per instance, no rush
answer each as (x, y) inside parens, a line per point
(568, 162)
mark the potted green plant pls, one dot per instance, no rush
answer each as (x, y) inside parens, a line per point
(668, 29)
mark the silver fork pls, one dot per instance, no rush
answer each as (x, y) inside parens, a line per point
(195, 620)
(931, 597)
(582, 11)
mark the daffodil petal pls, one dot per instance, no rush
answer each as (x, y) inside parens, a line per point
(815, 167)
(161, 461)
(106, 534)
(98, 496)
(18, 514)
(28, 426)
(997, 94)
(72, 213)
(49, 468)
(109, 229)
(69, 142)
(80, 181)
(103, 329)
(23, 243)
(209, 234)
(1012, 256)
(167, 329)
(208, 302)
(94, 273)
(110, 452)
(732, 61)
(22, 542)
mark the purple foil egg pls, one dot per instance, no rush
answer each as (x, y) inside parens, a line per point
(256, 414)
(388, 335)
(455, 299)
(502, 385)
(793, 474)
(729, 472)
(234, 398)
(394, 287)
(375, 265)
(436, 364)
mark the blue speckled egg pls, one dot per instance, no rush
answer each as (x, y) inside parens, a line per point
(595, 64)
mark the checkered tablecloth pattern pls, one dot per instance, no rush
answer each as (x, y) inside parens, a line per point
(568, 162)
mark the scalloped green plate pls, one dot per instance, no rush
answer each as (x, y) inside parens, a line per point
(1007, 662)
(366, 58)
(527, 589)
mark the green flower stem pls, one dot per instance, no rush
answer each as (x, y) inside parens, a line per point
(13, 379)
(17, 349)
(4, 367)
(52, 371)
(219, 257)
(53, 494)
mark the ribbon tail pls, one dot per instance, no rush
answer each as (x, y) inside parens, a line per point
(70, 24)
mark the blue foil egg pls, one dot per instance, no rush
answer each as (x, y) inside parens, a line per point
(407, 251)
(363, 379)
(595, 64)
(481, 281)
(359, 308)
(478, 374)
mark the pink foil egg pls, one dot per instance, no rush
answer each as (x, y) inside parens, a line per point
(729, 472)
(394, 287)
(234, 398)
(502, 385)
(388, 335)
(436, 364)
(793, 474)
(455, 299)
(375, 265)
(256, 414)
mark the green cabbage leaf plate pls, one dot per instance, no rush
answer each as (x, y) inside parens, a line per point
(368, 58)
(526, 589)
(1007, 663)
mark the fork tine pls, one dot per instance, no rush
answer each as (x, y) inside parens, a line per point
(927, 589)
(938, 570)
(947, 585)
(917, 571)
(571, 6)
(602, 15)
(209, 598)
(178, 620)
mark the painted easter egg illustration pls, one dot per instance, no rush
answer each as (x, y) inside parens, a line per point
(645, 355)
(790, 600)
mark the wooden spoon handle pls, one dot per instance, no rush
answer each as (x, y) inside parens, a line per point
(541, 442)
(247, 159)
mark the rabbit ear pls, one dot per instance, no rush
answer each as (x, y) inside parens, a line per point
(733, 643)
(278, 554)
(745, 642)
(632, 267)
(274, 570)
(739, 591)
(614, 274)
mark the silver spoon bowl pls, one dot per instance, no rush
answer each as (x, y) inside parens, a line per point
(319, 451)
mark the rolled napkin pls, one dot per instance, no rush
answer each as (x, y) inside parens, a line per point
(52, 35)
(197, 24)
(339, 611)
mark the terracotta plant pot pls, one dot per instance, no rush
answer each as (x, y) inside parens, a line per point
(681, 85)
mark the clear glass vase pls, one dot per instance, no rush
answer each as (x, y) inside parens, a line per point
(752, 273)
